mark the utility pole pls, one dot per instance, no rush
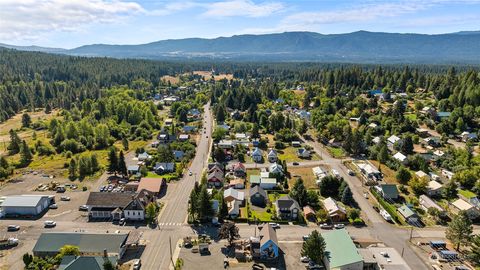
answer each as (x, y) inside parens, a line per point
(411, 234)
(171, 255)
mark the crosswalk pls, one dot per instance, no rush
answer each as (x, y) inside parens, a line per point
(170, 224)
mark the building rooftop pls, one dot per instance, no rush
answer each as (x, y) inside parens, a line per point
(405, 211)
(85, 262)
(109, 199)
(86, 242)
(151, 184)
(340, 249)
(22, 200)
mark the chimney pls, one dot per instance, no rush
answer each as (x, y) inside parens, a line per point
(105, 254)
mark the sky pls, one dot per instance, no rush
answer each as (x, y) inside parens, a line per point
(72, 23)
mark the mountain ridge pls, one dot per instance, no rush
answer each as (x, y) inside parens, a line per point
(359, 46)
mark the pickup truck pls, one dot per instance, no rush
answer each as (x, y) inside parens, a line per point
(8, 242)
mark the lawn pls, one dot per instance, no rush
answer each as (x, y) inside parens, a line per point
(336, 152)
(466, 193)
(262, 216)
(411, 116)
(271, 196)
(305, 173)
(289, 154)
(252, 172)
(388, 174)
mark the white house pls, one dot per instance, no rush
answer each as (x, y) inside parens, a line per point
(303, 153)
(272, 156)
(268, 183)
(461, 205)
(376, 140)
(400, 157)
(392, 140)
(422, 174)
(448, 174)
(434, 188)
(257, 155)
(276, 169)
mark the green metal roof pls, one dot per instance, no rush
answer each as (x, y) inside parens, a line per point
(405, 211)
(390, 190)
(340, 249)
(82, 263)
(254, 179)
(86, 242)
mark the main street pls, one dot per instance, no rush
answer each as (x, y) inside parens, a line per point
(174, 213)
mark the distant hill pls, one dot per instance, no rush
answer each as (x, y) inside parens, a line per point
(360, 47)
(33, 48)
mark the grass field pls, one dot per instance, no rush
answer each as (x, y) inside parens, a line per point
(411, 116)
(388, 174)
(289, 154)
(171, 79)
(306, 174)
(336, 152)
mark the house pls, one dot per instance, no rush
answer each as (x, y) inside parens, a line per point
(318, 172)
(309, 213)
(434, 188)
(135, 209)
(408, 214)
(400, 157)
(335, 212)
(111, 205)
(183, 137)
(462, 205)
(171, 99)
(303, 153)
(296, 144)
(442, 115)
(133, 169)
(226, 144)
(422, 174)
(168, 122)
(303, 114)
(215, 168)
(392, 140)
(438, 153)
(433, 141)
(447, 174)
(194, 113)
(427, 203)
(164, 167)
(144, 156)
(215, 179)
(376, 92)
(153, 185)
(369, 171)
(232, 194)
(215, 164)
(287, 208)
(268, 242)
(239, 170)
(224, 127)
(384, 258)
(70, 262)
(165, 137)
(89, 244)
(272, 156)
(257, 155)
(241, 136)
(467, 136)
(372, 125)
(422, 132)
(178, 155)
(258, 196)
(188, 129)
(376, 140)
(268, 183)
(275, 169)
(341, 252)
(235, 115)
(255, 180)
(237, 183)
(389, 191)
(25, 205)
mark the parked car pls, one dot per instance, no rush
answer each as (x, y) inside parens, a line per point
(50, 223)
(305, 237)
(53, 206)
(83, 208)
(304, 259)
(274, 225)
(350, 172)
(13, 228)
(339, 226)
(312, 265)
(190, 173)
(326, 226)
(137, 264)
(65, 198)
(295, 163)
(121, 221)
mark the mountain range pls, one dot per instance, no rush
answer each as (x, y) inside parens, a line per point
(359, 47)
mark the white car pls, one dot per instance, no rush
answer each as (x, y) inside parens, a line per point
(190, 173)
(53, 206)
(137, 264)
(65, 198)
(304, 259)
(274, 225)
(50, 223)
(339, 226)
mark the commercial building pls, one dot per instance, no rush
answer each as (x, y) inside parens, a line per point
(340, 251)
(25, 205)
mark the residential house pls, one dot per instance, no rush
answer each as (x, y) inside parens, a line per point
(183, 137)
(111, 205)
(400, 157)
(433, 141)
(258, 196)
(287, 208)
(215, 164)
(133, 169)
(447, 174)
(303, 153)
(373, 125)
(215, 179)
(422, 174)
(194, 114)
(434, 188)
(165, 137)
(164, 167)
(275, 169)
(89, 244)
(309, 213)
(388, 191)
(188, 129)
(144, 156)
(241, 136)
(303, 114)
(135, 209)
(408, 215)
(70, 262)
(257, 155)
(335, 212)
(442, 115)
(376, 140)
(427, 203)
(268, 183)
(237, 183)
(178, 155)
(340, 251)
(234, 199)
(272, 156)
(169, 100)
(319, 173)
(467, 136)
(215, 168)
(462, 205)
(153, 185)
(422, 132)
(26, 205)
(226, 144)
(255, 180)
(382, 258)
(239, 170)
(268, 243)
(168, 122)
(296, 144)
(369, 171)
(392, 140)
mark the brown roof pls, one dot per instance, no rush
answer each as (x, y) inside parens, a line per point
(109, 199)
(237, 181)
(151, 184)
(268, 233)
(307, 210)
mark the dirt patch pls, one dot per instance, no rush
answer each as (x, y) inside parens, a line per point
(170, 79)
(208, 75)
(306, 174)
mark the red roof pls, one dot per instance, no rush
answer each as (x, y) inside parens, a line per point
(151, 184)
(239, 165)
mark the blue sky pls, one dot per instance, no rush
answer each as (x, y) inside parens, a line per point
(72, 23)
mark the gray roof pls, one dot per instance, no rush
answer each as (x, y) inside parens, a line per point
(109, 199)
(258, 189)
(85, 262)
(268, 233)
(389, 189)
(23, 200)
(86, 242)
(287, 202)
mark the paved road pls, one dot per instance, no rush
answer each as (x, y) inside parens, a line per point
(306, 163)
(379, 229)
(174, 213)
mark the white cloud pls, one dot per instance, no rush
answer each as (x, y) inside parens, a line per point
(243, 8)
(31, 19)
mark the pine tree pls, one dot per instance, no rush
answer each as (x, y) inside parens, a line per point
(25, 154)
(15, 142)
(72, 169)
(125, 143)
(112, 161)
(26, 120)
(122, 167)
(314, 247)
(347, 196)
(459, 230)
(299, 192)
(204, 204)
